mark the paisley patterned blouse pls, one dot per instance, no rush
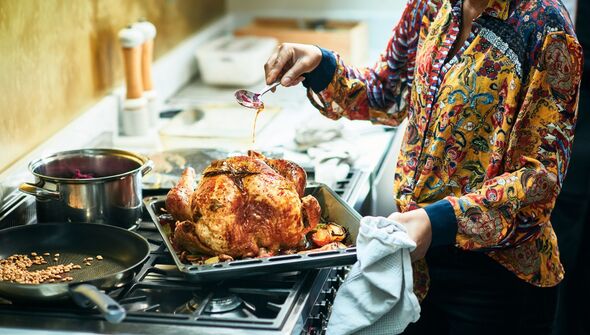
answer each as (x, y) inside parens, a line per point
(490, 129)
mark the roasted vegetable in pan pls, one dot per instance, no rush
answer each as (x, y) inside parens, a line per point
(327, 247)
(326, 233)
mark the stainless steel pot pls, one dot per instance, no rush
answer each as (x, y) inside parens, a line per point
(89, 186)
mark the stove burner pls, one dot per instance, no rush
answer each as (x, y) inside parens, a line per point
(190, 307)
(223, 303)
(218, 303)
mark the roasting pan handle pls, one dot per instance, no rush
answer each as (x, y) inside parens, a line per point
(109, 308)
(39, 192)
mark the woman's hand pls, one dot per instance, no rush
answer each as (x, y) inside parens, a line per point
(290, 61)
(417, 223)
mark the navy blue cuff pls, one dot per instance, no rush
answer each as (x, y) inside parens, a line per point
(322, 75)
(443, 222)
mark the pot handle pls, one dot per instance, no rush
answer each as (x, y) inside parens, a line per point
(83, 294)
(39, 192)
(147, 167)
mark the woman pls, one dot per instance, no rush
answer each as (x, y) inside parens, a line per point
(490, 90)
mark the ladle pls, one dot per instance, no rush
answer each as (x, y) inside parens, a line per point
(252, 100)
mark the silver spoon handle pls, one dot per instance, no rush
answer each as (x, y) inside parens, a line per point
(269, 87)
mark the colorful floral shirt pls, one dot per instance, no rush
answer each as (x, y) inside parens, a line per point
(490, 129)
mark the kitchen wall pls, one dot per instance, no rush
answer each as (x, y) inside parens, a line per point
(59, 57)
(380, 15)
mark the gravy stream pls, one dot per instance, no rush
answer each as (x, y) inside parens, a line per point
(260, 109)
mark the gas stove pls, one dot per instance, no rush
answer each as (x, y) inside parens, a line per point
(160, 301)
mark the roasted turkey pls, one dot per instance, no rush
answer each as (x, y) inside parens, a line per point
(243, 206)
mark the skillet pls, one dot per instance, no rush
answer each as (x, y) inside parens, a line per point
(123, 253)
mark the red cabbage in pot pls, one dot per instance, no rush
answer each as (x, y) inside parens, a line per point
(79, 175)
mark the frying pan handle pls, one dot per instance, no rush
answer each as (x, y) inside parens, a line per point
(109, 308)
(38, 192)
(147, 167)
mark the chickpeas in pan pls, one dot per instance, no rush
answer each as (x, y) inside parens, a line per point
(16, 269)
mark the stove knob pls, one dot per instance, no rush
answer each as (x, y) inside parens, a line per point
(342, 271)
(324, 326)
(335, 282)
(314, 322)
(331, 294)
(324, 309)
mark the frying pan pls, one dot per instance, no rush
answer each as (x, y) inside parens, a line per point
(123, 252)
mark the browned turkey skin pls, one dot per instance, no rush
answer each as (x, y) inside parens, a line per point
(244, 206)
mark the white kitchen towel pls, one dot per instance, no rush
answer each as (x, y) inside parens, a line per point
(377, 296)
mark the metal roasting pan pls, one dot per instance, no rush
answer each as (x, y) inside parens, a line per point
(334, 209)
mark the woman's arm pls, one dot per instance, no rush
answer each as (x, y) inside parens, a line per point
(379, 93)
(512, 207)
